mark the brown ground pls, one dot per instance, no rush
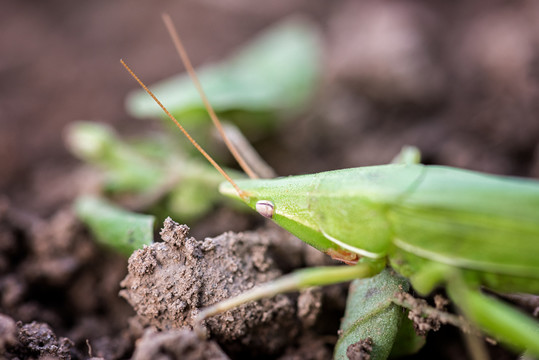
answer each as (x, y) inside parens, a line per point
(460, 81)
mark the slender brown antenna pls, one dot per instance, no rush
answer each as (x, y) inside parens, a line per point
(191, 71)
(241, 193)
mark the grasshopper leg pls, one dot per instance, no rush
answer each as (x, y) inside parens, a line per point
(297, 280)
(499, 320)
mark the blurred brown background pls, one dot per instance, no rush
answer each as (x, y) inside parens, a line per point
(60, 62)
(459, 80)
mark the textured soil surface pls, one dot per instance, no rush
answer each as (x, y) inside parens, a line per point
(168, 282)
(458, 80)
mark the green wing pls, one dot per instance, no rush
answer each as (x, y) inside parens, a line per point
(471, 220)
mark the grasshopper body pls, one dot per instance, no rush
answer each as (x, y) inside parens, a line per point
(435, 225)
(414, 215)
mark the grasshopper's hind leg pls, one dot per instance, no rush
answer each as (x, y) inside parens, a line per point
(297, 280)
(497, 319)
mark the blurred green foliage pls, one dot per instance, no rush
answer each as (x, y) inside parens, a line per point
(114, 227)
(271, 78)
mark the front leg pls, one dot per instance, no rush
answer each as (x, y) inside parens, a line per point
(297, 280)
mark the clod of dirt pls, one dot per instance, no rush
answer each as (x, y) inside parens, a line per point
(422, 324)
(440, 302)
(56, 275)
(360, 350)
(8, 333)
(311, 346)
(309, 306)
(169, 282)
(55, 256)
(38, 340)
(424, 320)
(176, 344)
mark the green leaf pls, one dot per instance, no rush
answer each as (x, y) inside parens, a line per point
(370, 313)
(114, 227)
(407, 341)
(275, 72)
(125, 167)
(153, 173)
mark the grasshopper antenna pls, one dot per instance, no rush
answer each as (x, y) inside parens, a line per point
(190, 70)
(241, 193)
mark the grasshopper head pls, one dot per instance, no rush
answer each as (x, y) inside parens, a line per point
(271, 198)
(286, 202)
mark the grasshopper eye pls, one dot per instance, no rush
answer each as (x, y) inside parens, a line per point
(265, 208)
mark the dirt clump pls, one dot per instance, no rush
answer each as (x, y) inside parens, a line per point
(32, 340)
(8, 333)
(311, 346)
(169, 282)
(360, 350)
(176, 344)
(55, 280)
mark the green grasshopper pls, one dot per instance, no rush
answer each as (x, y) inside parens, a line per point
(435, 225)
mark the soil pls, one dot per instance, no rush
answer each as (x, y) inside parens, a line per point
(168, 282)
(360, 350)
(459, 80)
